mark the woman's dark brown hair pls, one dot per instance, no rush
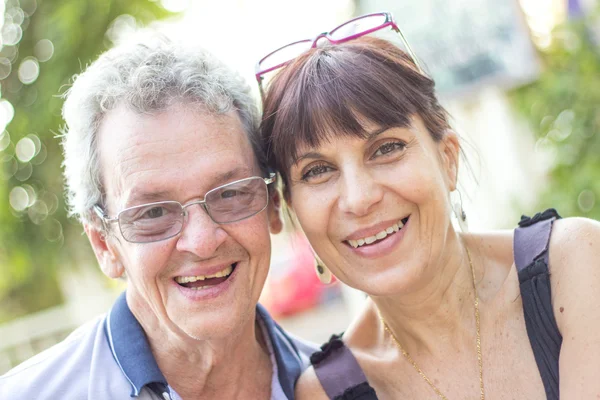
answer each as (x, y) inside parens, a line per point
(334, 90)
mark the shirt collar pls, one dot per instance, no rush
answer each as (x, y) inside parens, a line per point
(130, 348)
(132, 352)
(287, 355)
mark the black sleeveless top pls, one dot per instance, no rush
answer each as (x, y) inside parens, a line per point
(342, 378)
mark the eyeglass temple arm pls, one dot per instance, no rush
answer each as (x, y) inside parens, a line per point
(100, 213)
(408, 48)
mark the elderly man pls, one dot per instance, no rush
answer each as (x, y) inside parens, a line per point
(164, 170)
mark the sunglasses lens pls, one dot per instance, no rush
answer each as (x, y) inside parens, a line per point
(358, 26)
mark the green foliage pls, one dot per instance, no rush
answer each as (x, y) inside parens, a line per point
(38, 240)
(563, 108)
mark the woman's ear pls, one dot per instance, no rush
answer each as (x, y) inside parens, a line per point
(106, 254)
(274, 208)
(450, 150)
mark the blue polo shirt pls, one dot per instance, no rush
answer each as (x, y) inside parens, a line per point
(110, 358)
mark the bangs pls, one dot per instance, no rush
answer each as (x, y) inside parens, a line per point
(335, 91)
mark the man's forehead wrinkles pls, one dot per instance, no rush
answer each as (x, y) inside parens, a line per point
(147, 190)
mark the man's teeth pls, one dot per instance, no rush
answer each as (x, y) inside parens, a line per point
(220, 274)
(378, 236)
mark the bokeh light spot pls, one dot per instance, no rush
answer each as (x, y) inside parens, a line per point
(25, 149)
(18, 198)
(11, 34)
(43, 50)
(28, 6)
(51, 201)
(16, 15)
(7, 113)
(52, 230)
(37, 142)
(586, 200)
(9, 167)
(38, 212)
(563, 126)
(31, 193)
(25, 171)
(40, 156)
(5, 67)
(9, 52)
(29, 70)
(4, 140)
(122, 27)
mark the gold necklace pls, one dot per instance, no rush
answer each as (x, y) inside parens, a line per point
(479, 358)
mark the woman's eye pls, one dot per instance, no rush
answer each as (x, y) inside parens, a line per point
(315, 171)
(388, 148)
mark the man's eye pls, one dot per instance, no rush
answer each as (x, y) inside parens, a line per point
(315, 171)
(154, 212)
(227, 194)
(388, 148)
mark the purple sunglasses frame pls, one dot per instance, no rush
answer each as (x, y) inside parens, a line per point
(389, 21)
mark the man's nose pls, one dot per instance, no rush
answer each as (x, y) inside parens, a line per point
(359, 192)
(200, 235)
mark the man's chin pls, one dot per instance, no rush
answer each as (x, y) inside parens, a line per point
(217, 324)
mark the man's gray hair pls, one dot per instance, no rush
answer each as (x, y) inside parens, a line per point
(147, 75)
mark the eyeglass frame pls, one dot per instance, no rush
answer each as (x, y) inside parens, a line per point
(389, 21)
(111, 220)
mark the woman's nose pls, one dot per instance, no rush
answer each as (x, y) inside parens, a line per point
(359, 193)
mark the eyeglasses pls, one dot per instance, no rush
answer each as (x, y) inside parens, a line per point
(349, 30)
(162, 220)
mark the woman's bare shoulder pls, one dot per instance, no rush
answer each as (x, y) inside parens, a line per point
(574, 234)
(309, 387)
(574, 253)
(575, 279)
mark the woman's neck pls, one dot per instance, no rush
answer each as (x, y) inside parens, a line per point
(442, 308)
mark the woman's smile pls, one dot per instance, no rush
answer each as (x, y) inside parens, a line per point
(381, 243)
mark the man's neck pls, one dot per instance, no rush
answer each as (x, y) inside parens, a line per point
(202, 369)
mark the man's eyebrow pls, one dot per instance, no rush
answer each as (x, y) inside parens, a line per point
(228, 176)
(139, 198)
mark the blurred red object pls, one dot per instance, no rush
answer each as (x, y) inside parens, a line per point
(292, 285)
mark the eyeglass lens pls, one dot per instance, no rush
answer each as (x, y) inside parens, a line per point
(358, 26)
(225, 204)
(285, 54)
(344, 31)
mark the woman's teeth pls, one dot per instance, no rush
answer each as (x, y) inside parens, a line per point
(378, 236)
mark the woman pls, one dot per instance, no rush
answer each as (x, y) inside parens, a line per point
(368, 161)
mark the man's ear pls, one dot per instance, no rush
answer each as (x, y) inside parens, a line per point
(449, 151)
(107, 257)
(274, 211)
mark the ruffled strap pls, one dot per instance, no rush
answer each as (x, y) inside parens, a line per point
(531, 243)
(340, 375)
(532, 238)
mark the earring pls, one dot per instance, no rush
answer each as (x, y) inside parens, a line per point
(460, 214)
(323, 272)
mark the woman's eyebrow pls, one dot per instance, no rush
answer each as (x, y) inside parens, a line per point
(312, 155)
(372, 135)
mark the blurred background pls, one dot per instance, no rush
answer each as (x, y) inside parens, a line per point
(521, 79)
